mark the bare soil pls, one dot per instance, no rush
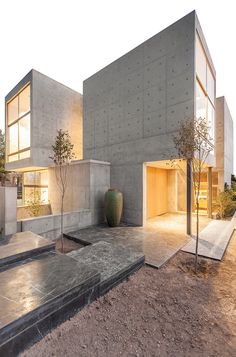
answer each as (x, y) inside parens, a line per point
(166, 312)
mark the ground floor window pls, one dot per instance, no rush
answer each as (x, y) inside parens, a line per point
(35, 187)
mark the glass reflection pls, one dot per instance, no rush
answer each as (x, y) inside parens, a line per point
(201, 63)
(24, 101)
(201, 103)
(18, 120)
(24, 132)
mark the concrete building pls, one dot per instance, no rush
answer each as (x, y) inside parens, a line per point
(224, 144)
(133, 107)
(131, 110)
(35, 109)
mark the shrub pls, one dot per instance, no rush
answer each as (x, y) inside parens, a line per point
(225, 204)
(34, 204)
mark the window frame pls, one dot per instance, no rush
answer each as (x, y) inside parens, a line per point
(17, 121)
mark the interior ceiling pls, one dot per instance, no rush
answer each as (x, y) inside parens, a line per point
(166, 164)
(171, 164)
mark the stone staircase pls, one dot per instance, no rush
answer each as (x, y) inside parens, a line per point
(40, 288)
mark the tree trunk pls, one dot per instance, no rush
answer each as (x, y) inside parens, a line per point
(62, 209)
(197, 237)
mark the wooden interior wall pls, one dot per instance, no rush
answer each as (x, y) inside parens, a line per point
(156, 191)
(182, 192)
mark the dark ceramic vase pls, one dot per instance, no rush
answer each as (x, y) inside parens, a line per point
(113, 206)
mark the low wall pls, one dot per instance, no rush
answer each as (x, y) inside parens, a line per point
(87, 182)
(8, 198)
(49, 226)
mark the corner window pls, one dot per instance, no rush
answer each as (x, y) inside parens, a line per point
(18, 124)
(201, 102)
(210, 85)
(205, 89)
(201, 62)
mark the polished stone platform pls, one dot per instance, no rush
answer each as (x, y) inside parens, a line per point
(158, 241)
(21, 246)
(114, 262)
(37, 295)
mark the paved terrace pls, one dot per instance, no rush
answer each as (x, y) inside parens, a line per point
(40, 288)
(159, 240)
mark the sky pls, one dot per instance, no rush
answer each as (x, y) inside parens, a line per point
(69, 40)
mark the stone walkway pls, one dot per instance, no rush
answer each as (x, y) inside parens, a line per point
(213, 239)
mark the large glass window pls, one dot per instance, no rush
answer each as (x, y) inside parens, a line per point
(12, 111)
(13, 136)
(210, 85)
(211, 120)
(24, 101)
(18, 122)
(201, 103)
(24, 132)
(201, 62)
(205, 89)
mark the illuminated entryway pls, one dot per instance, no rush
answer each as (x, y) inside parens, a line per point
(168, 189)
(165, 187)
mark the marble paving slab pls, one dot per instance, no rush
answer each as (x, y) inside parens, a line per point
(32, 291)
(114, 262)
(21, 245)
(213, 239)
(157, 245)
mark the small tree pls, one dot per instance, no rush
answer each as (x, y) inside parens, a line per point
(62, 156)
(194, 144)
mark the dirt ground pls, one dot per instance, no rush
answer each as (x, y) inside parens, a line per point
(166, 312)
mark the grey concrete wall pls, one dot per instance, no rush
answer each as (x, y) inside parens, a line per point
(8, 221)
(53, 106)
(87, 183)
(224, 142)
(49, 226)
(133, 106)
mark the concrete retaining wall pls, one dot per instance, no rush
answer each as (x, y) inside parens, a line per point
(49, 226)
(87, 182)
(8, 198)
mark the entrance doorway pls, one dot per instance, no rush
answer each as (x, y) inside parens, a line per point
(156, 183)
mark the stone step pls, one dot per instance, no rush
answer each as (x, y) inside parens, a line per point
(37, 295)
(114, 262)
(21, 246)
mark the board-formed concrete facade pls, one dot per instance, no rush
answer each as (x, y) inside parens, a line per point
(133, 107)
